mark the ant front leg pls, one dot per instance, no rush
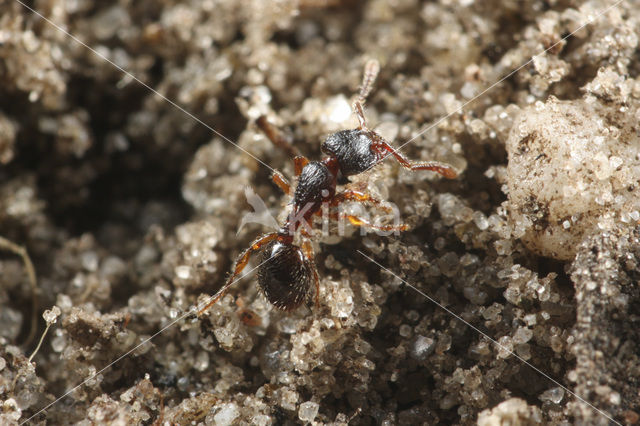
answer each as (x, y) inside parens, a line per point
(284, 142)
(277, 137)
(383, 149)
(299, 162)
(240, 264)
(282, 182)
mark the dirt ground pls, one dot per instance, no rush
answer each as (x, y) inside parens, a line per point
(128, 145)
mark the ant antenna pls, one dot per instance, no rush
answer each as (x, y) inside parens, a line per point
(371, 70)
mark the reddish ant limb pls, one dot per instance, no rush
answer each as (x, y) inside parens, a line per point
(279, 179)
(299, 163)
(278, 138)
(284, 272)
(359, 197)
(383, 149)
(360, 221)
(282, 182)
(240, 264)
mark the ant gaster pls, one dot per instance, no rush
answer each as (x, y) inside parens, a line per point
(286, 270)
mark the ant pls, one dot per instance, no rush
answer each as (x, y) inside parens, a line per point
(286, 270)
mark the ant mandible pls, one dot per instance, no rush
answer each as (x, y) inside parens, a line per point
(286, 270)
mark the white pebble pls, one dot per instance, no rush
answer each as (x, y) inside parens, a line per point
(308, 411)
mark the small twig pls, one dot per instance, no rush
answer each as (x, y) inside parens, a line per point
(50, 316)
(31, 273)
(35, 351)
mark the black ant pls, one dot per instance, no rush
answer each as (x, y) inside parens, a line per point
(286, 270)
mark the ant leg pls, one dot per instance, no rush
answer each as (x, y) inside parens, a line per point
(359, 221)
(384, 149)
(14, 248)
(299, 162)
(308, 252)
(277, 137)
(279, 179)
(240, 264)
(360, 197)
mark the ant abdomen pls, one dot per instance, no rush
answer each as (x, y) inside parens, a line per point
(284, 275)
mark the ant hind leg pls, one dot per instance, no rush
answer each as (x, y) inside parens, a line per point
(284, 142)
(239, 265)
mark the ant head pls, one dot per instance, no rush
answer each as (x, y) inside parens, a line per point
(352, 149)
(285, 275)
